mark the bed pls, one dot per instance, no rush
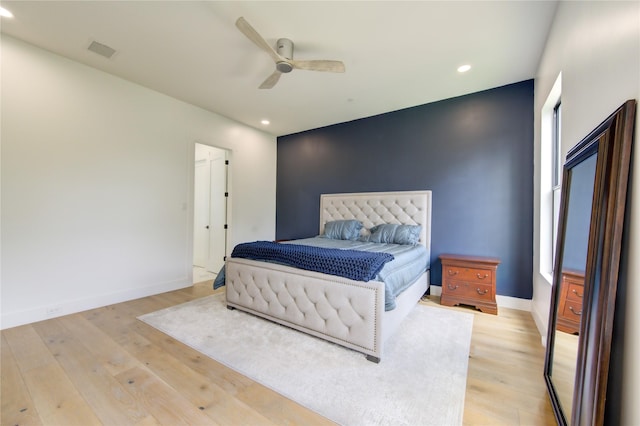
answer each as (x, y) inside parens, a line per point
(344, 311)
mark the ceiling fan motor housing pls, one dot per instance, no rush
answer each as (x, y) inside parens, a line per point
(284, 46)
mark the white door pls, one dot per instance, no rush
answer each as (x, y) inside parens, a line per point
(201, 191)
(210, 207)
(218, 211)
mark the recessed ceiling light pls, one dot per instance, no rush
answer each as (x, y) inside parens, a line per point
(265, 122)
(464, 68)
(5, 13)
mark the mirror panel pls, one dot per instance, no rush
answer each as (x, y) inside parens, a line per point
(571, 284)
(586, 267)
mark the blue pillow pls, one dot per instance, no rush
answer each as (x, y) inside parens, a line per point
(342, 229)
(392, 233)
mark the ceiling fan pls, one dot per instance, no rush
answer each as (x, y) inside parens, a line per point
(283, 56)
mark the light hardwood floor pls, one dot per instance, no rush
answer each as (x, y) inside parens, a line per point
(105, 367)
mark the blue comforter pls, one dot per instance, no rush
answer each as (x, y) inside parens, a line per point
(409, 262)
(352, 264)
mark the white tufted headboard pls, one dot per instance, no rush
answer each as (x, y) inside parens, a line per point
(375, 208)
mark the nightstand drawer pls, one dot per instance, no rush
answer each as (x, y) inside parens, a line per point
(468, 290)
(572, 311)
(469, 274)
(575, 293)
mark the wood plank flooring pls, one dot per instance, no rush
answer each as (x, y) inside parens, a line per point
(105, 367)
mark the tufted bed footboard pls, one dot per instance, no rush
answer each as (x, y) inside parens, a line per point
(349, 313)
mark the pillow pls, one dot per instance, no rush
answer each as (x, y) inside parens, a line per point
(342, 229)
(392, 233)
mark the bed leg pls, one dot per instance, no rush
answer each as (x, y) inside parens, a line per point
(231, 308)
(373, 359)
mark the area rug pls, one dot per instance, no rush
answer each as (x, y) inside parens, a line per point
(420, 380)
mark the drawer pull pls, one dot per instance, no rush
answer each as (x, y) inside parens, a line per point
(577, 313)
(480, 292)
(450, 287)
(452, 273)
(573, 290)
(480, 277)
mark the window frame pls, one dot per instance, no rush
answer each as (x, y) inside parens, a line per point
(556, 179)
(550, 177)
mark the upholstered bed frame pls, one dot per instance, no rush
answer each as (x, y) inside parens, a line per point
(347, 312)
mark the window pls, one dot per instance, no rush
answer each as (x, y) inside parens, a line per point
(550, 177)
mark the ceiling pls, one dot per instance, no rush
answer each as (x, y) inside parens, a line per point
(396, 54)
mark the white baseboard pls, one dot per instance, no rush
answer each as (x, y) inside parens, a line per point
(514, 303)
(435, 290)
(14, 319)
(541, 325)
(502, 301)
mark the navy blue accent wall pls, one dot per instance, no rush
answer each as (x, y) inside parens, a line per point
(475, 153)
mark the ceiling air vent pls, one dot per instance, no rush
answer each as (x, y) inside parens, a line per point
(101, 49)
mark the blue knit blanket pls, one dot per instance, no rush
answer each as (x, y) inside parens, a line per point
(353, 264)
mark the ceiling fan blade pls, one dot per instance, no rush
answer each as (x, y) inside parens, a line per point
(257, 39)
(271, 80)
(318, 65)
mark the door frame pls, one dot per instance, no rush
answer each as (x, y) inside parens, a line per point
(191, 198)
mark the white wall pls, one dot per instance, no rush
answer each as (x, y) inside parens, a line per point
(596, 46)
(97, 181)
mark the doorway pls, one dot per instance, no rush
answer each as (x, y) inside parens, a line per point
(210, 208)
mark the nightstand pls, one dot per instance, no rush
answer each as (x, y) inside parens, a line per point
(469, 280)
(570, 302)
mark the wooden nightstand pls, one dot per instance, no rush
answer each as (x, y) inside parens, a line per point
(469, 280)
(570, 303)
